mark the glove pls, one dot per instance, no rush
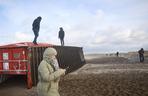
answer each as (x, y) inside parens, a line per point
(62, 71)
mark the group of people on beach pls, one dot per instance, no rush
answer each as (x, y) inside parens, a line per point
(49, 72)
(36, 28)
(141, 55)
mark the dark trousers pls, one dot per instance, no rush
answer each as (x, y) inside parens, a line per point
(62, 42)
(36, 34)
(141, 57)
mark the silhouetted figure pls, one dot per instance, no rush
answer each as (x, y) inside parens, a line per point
(36, 28)
(117, 54)
(141, 55)
(61, 36)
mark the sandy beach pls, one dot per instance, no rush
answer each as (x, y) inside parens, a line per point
(114, 76)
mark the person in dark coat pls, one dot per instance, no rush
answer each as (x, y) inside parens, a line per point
(141, 55)
(117, 54)
(36, 28)
(61, 36)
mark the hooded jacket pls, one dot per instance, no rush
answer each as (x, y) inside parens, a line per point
(48, 77)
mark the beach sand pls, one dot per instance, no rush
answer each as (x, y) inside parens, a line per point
(106, 84)
(99, 77)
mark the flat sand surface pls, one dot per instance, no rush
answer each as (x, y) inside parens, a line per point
(99, 77)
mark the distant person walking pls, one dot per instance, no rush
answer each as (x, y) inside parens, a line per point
(117, 54)
(141, 55)
(36, 28)
(61, 36)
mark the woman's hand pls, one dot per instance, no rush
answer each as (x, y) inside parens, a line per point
(62, 71)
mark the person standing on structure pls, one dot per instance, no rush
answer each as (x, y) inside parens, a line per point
(61, 36)
(36, 28)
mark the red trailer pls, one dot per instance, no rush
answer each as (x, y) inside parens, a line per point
(24, 58)
(15, 59)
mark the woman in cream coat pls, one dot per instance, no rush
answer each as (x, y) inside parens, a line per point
(49, 74)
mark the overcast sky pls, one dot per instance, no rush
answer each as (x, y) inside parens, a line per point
(96, 25)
